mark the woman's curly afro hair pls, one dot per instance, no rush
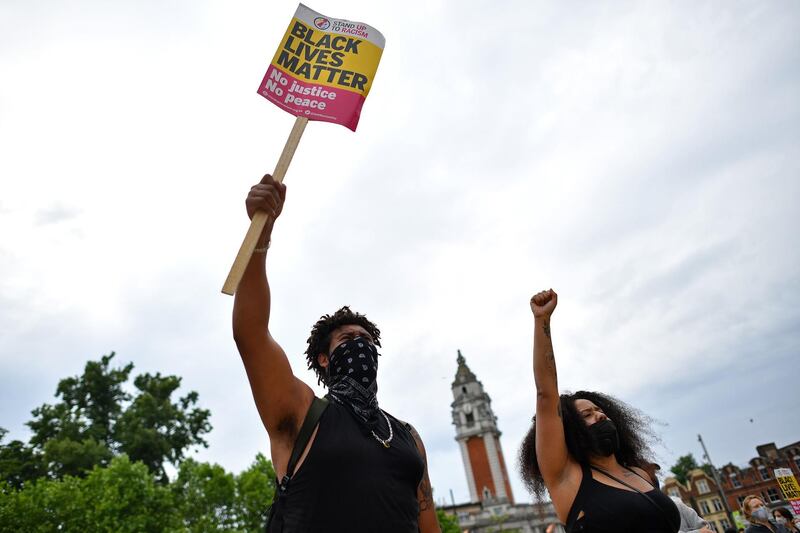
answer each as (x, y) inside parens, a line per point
(320, 337)
(633, 429)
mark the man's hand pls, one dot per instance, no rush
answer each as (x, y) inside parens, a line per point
(268, 195)
(544, 303)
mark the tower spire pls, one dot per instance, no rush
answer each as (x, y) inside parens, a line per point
(479, 438)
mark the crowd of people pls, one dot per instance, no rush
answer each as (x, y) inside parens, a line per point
(345, 464)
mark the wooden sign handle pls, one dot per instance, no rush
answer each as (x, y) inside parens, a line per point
(261, 218)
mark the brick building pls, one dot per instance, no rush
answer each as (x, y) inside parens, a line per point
(701, 493)
(758, 478)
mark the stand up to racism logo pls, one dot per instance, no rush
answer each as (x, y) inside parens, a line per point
(324, 68)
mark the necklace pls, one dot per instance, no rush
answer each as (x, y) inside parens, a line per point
(391, 433)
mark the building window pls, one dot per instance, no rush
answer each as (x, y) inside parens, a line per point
(470, 419)
(464, 390)
(764, 472)
(773, 495)
(797, 461)
(704, 510)
(674, 492)
(725, 523)
(735, 480)
(717, 504)
(702, 486)
(740, 501)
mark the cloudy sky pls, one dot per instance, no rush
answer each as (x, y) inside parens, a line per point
(640, 158)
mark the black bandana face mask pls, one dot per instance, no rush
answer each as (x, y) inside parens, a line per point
(356, 359)
(352, 379)
(604, 438)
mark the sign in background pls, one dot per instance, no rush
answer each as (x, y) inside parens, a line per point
(323, 68)
(789, 487)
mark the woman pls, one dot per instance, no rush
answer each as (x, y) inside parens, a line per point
(758, 515)
(589, 451)
(784, 517)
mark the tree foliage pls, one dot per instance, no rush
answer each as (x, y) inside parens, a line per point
(96, 462)
(687, 463)
(96, 420)
(682, 467)
(126, 497)
(447, 522)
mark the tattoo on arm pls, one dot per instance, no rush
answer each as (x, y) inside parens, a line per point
(546, 328)
(425, 490)
(425, 493)
(551, 361)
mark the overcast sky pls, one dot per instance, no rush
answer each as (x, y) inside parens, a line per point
(641, 158)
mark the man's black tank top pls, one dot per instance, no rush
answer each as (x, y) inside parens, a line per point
(350, 482)
(608, 509)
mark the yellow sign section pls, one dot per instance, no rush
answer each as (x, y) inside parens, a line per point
(322, 58)
(789, 487)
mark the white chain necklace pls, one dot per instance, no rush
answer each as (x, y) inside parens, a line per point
(391, 433)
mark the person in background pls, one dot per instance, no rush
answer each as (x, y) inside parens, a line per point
(690, 520)
(758, 515)
(784, 517)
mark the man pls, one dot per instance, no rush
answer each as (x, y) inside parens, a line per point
(362, 470)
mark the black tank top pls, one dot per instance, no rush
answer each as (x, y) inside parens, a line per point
(349, 482)
(608, 509)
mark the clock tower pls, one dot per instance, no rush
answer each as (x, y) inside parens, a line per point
(479, 439)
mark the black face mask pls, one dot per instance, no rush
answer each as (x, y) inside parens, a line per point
(357, 360)
(603, 437)
(352, 379)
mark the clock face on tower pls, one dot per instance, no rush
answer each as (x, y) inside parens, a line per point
(467, 408)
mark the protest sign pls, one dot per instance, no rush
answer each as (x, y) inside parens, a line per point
(739, 520)
(323, 70)
(789, 487)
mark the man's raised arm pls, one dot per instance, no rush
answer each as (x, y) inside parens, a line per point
(282, 399)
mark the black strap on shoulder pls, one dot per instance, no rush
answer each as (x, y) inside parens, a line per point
(275, 515)
(651, 500)
(313, 415)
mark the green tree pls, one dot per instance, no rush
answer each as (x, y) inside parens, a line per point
(157, 431)
(205, 494)
(684, 465)
(122, 497)
(96, 420)
(96, 462)
(255, 488)
(19, 462)
(447, 522)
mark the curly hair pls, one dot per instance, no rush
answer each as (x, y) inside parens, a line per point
(633, 429)
(320, 337)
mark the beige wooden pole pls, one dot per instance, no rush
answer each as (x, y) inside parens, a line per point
(260, 218)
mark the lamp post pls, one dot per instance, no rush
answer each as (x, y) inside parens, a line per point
(718, 481)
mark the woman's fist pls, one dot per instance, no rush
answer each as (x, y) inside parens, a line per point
(543, 303)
